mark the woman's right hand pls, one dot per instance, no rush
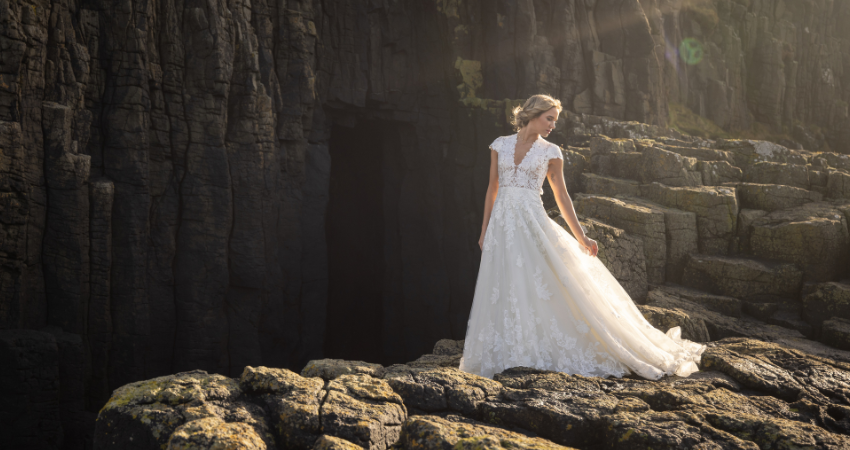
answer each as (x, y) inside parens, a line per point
(481, 242)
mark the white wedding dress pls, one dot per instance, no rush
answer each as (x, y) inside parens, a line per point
(541, 302)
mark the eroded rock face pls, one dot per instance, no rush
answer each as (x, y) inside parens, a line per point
(166, 166)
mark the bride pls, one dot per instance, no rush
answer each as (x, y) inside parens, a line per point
(542, 299)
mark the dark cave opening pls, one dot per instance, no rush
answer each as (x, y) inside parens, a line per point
(355, 241)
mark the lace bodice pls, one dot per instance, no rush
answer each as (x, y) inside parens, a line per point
(531, 171)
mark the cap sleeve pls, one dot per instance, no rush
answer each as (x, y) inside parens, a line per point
(497, 144)
(555, 152)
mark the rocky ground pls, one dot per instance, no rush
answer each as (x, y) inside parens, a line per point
(749, 394)
(166, 176)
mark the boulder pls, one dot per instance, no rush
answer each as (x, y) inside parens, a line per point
(265, 408)
(671, 169)
(614, 157)
(144, 414)
(746, 217)
(700, 153)
(750, 152)
(814, 237)
(436, 389)
(363, 410)
(741, 278)
(716, 173)
(459, 433)
(692, 328)
(838, 184)
(680, 228)
(328, 442)
(767, 172)
(773, 197)
(818, 180)
(833, 160)
(728, 306)
(329, 368)
(721, 326)
(829, 300)
(640, 221)
(210, 433)
(716, 209)
(836, 332)
(609, 187)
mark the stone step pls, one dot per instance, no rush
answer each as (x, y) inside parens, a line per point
(670, 308)
(826, 301)
(838, 184)
(609, 186)
(699, 153)
(813, 236)
(748, 152)
(729, 306)
(773, 197)
(637, 220)
(792, 320)
(618, 158)
(768, 172)
(743, 278)
(719, 325)
(718, 173)
(716, 209)
(668, 234)
(786, 314)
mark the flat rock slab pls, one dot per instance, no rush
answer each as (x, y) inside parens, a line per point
(836, 332)
(750, 152)
(778, 173)
(330, 368)
(838, 184)
(742, 278)
(773, 197)
(717, 173)
(646, 223)
(441, 388)
(682, 237)
(456, 433)
(609, 186)
(813, 236)
(716, 209)
(669, 168)
(829, 300)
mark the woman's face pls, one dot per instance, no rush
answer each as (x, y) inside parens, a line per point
(544, 123)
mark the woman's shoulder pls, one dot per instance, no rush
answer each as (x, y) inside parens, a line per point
(554, 150)
(497, 143)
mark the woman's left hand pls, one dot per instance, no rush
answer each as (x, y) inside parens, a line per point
(590, 245)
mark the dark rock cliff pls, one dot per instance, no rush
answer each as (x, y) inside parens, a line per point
(168, 199)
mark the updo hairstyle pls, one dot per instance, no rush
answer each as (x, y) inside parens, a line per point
(533, 108)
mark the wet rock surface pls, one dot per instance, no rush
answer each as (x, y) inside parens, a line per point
(749, 393)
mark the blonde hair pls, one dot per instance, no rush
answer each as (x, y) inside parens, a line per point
(533, 108)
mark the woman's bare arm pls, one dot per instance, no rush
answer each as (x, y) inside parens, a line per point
(565, 204)
(490, 198)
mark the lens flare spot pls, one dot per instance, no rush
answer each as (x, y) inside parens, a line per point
(691, 51)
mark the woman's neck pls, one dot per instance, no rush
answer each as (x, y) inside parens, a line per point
(526, 136)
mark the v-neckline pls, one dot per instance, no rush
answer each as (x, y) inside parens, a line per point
(513, 155)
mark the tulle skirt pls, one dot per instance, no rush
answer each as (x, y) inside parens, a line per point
(541, 302)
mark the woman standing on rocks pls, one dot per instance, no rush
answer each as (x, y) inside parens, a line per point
(542, 299)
